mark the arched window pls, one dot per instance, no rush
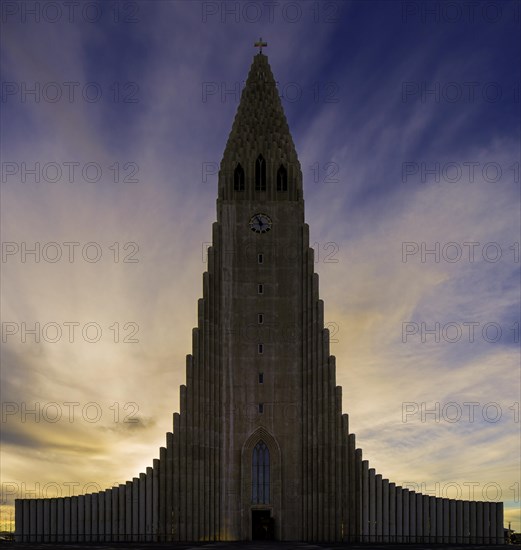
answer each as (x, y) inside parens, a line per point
(238, 178)
(260, 474)
(282, 178)
(260, 174)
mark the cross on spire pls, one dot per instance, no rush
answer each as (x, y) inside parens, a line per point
(260, 44)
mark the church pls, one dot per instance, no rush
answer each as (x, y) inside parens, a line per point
(260, 448)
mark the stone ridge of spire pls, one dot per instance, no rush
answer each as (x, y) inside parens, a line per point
(260, 125)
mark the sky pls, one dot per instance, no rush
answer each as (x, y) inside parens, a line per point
(406, 120)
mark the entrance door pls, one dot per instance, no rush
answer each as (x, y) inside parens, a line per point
(262, 525)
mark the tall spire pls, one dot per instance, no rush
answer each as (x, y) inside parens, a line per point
(260, 127)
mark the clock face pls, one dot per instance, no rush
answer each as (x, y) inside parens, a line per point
(260, 223)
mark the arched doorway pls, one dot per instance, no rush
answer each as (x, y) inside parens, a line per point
(261, 487)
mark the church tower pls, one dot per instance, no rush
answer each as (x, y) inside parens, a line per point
(260, 447)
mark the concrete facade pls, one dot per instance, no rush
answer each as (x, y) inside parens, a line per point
(260, 446)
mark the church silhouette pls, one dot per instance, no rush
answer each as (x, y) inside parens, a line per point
(260, 448)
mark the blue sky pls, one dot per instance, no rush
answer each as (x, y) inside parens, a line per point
(406, 120)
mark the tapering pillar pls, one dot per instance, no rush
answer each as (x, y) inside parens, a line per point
(459, 521)
(122, 509)
(108, 515)
(405, 515)
(26, 521)
(472, 522)
(59, 520)
(466, 522)
(115, 514)
(46, 520)
(439, 520)
(18, 520)
(446, 520)
(101, 516)
(426, 518)
(486, 523)
(95, 517)
(365, 501)
(135, 510)
(385, 510)
(379, 508)
(81, 518)
(452, 514)
(392, 512)
(433, 519)
(419, 517)
(88, 517)
(372, 505)
(492, 516)
(412, 516)
(32, 531)
(142, 506)
(128, 511)
(74, 519)
(149, 504)
(399, 515)
(67, 519)
(479, 522)
(500, 533)
(52, 519)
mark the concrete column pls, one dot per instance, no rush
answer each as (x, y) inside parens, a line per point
(26, 521)
(32, 520)
(142, 505)
(18, 520)
(169, 487)
(392, 512)
(81, 518)
(122, 504)
(379, 508)
(500, 533)
(372, 505)
(472, 522)
(446, 520)
(101, 516)
(492, 516)
(67, 519)
(419, 517)
(155, 497)
(432, 519)
(452, 521)
(108, 515)
(358, 505)
(466, 522)
(39, 519)
(59, 520)
(46, 520)
(385, 510)
(115, 514)
(88, 517)
(439, 520)
(74, 519)
(135, 510)
(365, 501)
(405, 515)
(459, 521)
(479, 522)
(149, 501)
(128, 511)
(399, 515)
(176, 485)
(53, 514)
(412, 516)
(486, 523)
(426, 518)
(95, 517)
(161, 497)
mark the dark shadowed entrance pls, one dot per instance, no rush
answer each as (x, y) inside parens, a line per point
(262, 525)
